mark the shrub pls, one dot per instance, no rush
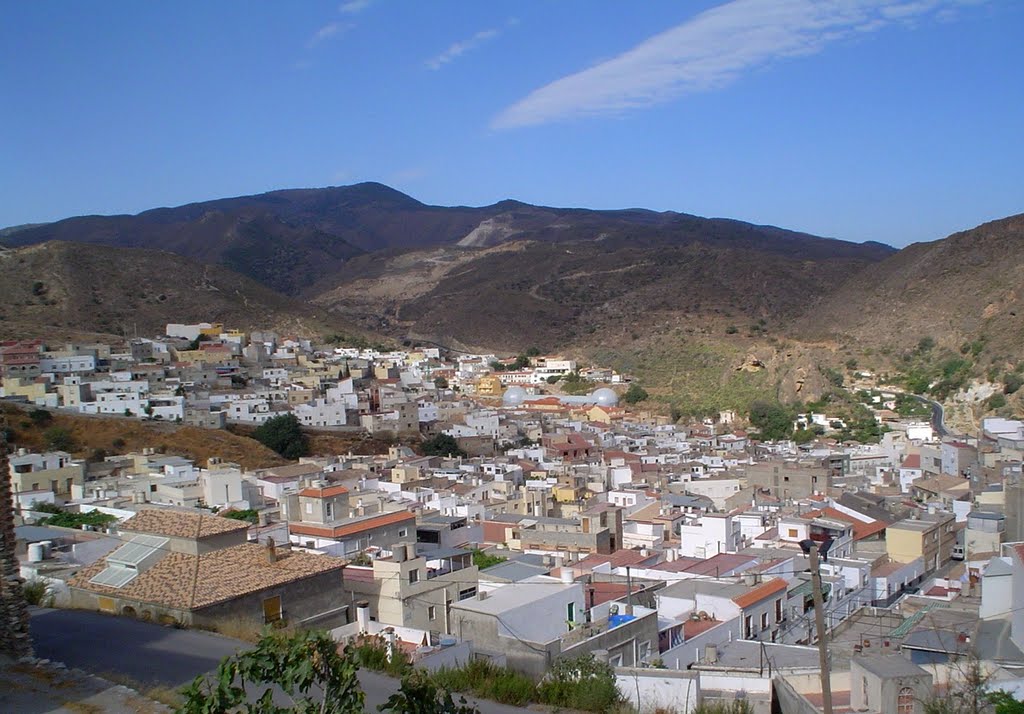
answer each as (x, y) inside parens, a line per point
(371, 651)
(731, 330)
(59, 439)
(250, 515)
(1012, 382)
(581, 683)
(996, 401)
(37, 593)
(484, 679)
(485, 560)
(66, 519)
(419, 694)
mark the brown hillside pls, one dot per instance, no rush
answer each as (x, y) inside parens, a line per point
(960, 288)
(67, 290)
(92, 432)
(551, 295)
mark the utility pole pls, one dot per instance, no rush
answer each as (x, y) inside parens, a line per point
(819, 621)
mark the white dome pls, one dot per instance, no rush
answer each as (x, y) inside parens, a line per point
(513, 397)
(605, 397)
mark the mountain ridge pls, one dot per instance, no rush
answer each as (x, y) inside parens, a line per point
(309, 233)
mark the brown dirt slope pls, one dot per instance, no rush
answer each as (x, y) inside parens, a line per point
(72, 290)
(91, 433)
(953, 290)
(551, 295)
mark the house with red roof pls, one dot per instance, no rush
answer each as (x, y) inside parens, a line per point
(319, 516)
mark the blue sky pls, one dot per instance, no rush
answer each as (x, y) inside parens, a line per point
(889, 120)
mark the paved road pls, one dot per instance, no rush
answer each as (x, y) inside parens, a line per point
(154, 655)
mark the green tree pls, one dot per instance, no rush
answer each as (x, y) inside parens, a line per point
(442, 445)
(772, 420)
(418, 694)
(802, 436)
(635, 394)
(284, 435)
(40, 417)
(305, 665)
(441, 383)
(59, 439)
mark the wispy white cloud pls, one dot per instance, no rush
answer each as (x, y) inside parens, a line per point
(353, 7)
(460, 48)
(326, 32)
(710, 51)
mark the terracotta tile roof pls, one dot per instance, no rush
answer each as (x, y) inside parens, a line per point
(190, 582)
(911, 462)
(692, 628)
(761, 592)
(347, 529)
(601, 592)
(618, 559)
(178, 524)
(678, 565)
(328, 492)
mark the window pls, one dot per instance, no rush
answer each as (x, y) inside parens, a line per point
(309, 507)
(467, 593)
(615, 661)
(414, 576)
(792, 533)
(764, 620)
(329, 510)
(748, 626)
(644, 650)
(402, 533)
(432, 612)
(570, 612)
(272, 609)
(905, 701)
(778, 610)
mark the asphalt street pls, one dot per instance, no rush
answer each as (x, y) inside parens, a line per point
(153, 654)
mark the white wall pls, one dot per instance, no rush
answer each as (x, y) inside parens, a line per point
(653, 690)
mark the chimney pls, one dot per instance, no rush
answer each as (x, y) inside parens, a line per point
(271, 551)
(389, 639)
(711, 654)
(363, 616)
(567, 577)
